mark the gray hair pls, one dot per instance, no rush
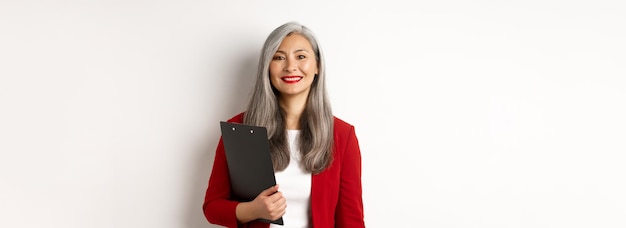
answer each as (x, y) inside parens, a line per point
(316, 138)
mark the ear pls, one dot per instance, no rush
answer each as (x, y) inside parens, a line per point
(317, 68)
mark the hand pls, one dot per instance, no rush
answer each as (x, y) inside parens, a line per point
(269, 204)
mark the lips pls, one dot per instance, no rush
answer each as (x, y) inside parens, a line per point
(291, 79)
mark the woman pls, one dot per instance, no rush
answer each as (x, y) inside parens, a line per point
(316, 156)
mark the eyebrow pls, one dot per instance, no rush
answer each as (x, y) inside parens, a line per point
(299, 50)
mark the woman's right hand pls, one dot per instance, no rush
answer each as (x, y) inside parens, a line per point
(269, 204)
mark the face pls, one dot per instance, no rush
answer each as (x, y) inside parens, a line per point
(293, 67)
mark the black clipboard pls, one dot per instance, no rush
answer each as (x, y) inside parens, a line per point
(249, 162)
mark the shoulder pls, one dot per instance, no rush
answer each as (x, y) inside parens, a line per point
(341, 126)
(237, 118)
(345, 141)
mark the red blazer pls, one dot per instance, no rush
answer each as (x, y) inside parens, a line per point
(336, 198)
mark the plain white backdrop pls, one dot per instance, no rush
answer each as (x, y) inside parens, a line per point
(484, 114)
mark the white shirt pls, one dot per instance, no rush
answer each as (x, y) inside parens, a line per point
(295, 184)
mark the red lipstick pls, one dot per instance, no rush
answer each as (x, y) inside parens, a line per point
(291, 79)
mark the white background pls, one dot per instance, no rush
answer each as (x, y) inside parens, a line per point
(483, 114)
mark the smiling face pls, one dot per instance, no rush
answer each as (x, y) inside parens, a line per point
(293, 67)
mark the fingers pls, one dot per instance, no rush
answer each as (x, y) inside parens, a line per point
(278, 208)
(273, 203)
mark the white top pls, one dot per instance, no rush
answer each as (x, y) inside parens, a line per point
(295, 184)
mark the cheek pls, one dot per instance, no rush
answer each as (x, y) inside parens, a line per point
(309, 66)
(273, 73)
(272, 68)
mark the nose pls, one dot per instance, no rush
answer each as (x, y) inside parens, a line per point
(291, 65)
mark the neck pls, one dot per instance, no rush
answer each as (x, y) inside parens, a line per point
(293, 107)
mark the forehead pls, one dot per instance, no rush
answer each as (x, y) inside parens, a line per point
(295, 41)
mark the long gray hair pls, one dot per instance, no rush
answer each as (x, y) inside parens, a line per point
(316, 137)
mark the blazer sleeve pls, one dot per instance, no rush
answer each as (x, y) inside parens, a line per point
(217, 207)
(350, 205)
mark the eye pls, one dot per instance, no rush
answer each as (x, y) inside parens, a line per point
(301, 56)
(278, 57)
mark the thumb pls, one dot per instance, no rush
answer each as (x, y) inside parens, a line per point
(269, 191)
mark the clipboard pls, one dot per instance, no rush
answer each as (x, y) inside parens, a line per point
(249, 162)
